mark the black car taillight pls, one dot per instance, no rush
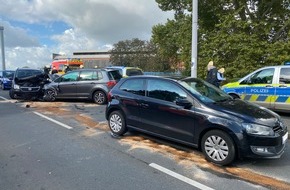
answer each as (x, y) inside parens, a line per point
(111, 83)
(109, 97)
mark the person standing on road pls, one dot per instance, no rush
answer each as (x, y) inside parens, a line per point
(54, 70)
(212, 74)
(67, 69)
(220, 76)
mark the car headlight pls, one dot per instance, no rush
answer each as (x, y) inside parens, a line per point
(255, 129)
(16, 87)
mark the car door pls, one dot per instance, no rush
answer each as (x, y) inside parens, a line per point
(87, 80)
(161, 115)
(132, 91)
(259, 88)
(282, 90)
(67, 85)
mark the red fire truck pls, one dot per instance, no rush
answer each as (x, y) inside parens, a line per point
(61, 64)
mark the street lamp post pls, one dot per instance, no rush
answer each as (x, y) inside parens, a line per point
(194, 38)
(2, 47)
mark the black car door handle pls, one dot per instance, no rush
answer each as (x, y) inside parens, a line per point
(144, 105)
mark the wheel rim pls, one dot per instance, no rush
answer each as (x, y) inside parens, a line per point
(100, 97)
(51, 94)
(216, 148)
(115, 123)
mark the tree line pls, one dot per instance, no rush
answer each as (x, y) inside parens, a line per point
(239, 35)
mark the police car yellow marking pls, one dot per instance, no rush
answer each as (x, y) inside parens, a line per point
(254, 97)
(265, 98)
(269, 99)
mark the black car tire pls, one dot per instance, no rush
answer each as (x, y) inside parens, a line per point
(218, 147)
(49, 95)
(2, 86)
(100, 97)
(117, 123)
(12, 94)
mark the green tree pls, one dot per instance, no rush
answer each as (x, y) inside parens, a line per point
(240, 35)
(138, 53)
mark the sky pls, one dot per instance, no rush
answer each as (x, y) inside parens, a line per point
(35, 29)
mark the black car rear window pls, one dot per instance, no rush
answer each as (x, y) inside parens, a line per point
(114, 75)
(133, 72)
(27, 73)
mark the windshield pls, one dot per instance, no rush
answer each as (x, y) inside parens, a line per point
(8, 74)
(204, 91)
(27, 73)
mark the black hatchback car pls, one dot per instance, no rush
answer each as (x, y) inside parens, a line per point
(27, 83)
(194, 112)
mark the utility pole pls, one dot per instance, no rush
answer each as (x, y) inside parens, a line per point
(2, 46)
(194, 38)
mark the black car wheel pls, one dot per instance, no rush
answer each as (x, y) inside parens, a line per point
(218, 147)
(49, 95)
(117, 123)
(12, 94)
(100, 97)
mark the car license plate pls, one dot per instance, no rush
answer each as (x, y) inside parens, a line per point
(284, 138)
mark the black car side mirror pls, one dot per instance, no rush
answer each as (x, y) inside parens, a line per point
(184, 103)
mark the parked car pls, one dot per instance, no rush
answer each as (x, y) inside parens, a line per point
(127, 71)
(91, 84)
(196, 113)
(28, 83)
(6, 77)
(267, 86)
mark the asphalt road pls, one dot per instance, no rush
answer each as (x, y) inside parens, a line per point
(38, 153)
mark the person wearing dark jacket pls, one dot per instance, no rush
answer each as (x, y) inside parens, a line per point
(54, 70)
(212, 74)
(67, 69)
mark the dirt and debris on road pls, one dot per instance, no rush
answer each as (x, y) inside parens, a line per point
(183, 157)
(196, 158)
(65, 110)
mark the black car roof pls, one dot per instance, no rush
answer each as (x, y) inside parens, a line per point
(28, 69)
(152, 77)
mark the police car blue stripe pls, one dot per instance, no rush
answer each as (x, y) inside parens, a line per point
(247, 97)
(262, 98)
(281, 99)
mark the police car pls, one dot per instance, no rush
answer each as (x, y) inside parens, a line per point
(267, 86)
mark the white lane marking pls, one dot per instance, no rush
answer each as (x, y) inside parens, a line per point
(3, 98)
(180, 177)
(52, 120)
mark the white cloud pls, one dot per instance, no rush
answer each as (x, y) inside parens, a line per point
(74, 40)
(16, 36)
(34, 57)
(95, 25)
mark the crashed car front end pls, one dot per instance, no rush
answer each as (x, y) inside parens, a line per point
(29, 88)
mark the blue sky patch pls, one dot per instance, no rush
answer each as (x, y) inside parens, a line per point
(43, 32)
